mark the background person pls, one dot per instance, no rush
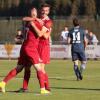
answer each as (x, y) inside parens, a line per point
(19, 37)
(93, 38)
(64, 35)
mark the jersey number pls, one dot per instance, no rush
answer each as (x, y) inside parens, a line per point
(76, 37)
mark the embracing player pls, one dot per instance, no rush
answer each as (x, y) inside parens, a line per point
(44, 42)
(29, 54)
(77, 38)
(43, 47)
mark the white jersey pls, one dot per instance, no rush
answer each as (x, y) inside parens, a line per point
(64, 34)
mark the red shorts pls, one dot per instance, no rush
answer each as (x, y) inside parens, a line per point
(44, 53)
(28, 56)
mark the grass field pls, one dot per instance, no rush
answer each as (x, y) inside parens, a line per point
(62, 80)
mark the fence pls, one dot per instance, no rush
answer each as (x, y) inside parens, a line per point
(9, 26)
(57, 51)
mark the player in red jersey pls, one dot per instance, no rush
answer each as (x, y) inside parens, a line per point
(28, 54)
(44, 46)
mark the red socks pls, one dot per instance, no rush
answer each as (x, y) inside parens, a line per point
(46, 82)
(10, 75)
(41, 79)
(26, 79)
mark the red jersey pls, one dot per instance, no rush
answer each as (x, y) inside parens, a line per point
(47, 23)
(29, 51)
(44, 47)
(32, 38)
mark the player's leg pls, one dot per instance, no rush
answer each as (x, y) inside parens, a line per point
(45, 56)
(47, 87)
(27, 73)
(83, 66)
(35, 59)
(75, 61)
(10, 75)
(40, 75)
(83, 61)
(43, 67)
(75, 57)
(15, 71)
(27, 66)
(77, 71)
(41, 78)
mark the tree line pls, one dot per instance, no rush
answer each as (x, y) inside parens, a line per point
(58, 7)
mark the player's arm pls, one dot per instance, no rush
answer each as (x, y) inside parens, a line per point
(45, 31)
(46, 35)
(48, 26)
(27, 19)
(69, 38)
(37, 30)
(85, 42)
(32, 19)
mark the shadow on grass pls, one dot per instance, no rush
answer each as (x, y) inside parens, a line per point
(60, 78)
(29, 92)
(16, 91)
(68, 88)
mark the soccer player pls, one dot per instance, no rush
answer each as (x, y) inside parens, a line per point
(28, 55)
(78, 40)
(43, 47)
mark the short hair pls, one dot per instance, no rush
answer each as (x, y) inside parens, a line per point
(75, 22)
(19, 30)
(45, 5)
(31, 7)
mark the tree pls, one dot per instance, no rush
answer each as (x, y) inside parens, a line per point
(59, 7)
(90, 7)
(98, 6)
(2, 4)
(75, 7)
(63, 7)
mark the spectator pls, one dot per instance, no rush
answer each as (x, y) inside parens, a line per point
(87, 34)
(93, 39)
(19, 37)
(50, 40)
(64, 35)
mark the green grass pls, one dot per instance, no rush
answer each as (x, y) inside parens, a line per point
(62, 80)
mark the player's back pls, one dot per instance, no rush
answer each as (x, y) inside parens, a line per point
(32, 38)
(77, 38)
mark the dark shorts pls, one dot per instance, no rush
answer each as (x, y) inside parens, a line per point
(78, 56)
